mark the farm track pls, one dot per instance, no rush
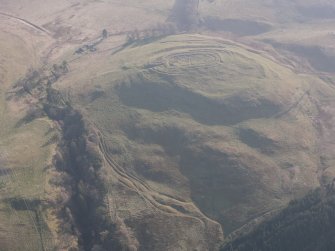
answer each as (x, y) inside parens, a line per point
(36, 27)
(159, 202)
(130, 181)
(294, 105)
(251, 224)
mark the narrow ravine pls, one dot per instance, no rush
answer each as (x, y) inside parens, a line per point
(82, 209)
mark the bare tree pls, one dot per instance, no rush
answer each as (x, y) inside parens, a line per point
(137, 35)
(104, 33)
(130, 37)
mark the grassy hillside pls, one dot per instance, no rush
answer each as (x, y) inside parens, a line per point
(165, 142)
(205, 121)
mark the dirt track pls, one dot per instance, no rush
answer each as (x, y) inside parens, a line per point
(36, 27)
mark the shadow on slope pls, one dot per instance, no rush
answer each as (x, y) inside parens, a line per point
(160, 97)
(317, 11)
(258, 141)
(237, 26)
(215, 176)
(318, 58)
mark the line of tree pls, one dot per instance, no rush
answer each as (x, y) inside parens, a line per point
(40, 78)
(160, 30)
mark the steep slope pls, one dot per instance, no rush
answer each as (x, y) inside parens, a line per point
(306, 224)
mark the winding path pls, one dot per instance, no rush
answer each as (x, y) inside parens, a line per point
(152, 198)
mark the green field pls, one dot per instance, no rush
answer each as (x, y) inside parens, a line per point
(24, 158)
